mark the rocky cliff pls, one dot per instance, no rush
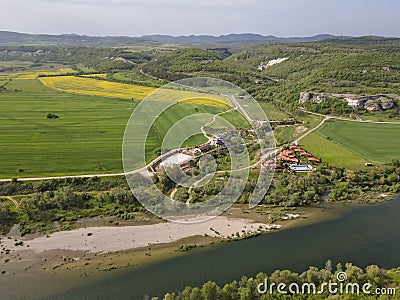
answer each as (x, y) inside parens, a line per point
(370, 103)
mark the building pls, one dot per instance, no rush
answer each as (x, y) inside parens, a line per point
(294, 154)
(219, 140)
(196, 151)
(288, 156)
(205, 147)
(156, 163)
(313, 160)
(176, 159)
(301, 168)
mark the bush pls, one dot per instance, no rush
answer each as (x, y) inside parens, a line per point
(52, 116)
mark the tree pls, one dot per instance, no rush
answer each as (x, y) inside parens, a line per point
(196, 294)
(209, 291)
(229, 291)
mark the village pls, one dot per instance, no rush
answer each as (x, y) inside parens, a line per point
(290, 159)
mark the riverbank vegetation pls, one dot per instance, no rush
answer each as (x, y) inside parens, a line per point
(52, 205)
(379, 280)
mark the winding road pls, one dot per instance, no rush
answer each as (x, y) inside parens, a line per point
(326, 118)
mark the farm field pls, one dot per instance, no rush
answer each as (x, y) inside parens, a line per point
(234, 118)
(168, 118)
(94, 87)
(100, 75)
(331, 152)
(103, 88)
(379, 143)
(24, 75)
(85, 139)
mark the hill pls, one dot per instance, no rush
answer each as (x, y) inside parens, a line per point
(236, 38)
(16, 38)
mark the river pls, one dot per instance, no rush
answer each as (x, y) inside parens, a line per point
(363, 235)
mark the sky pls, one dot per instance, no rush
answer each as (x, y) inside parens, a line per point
(282, 18)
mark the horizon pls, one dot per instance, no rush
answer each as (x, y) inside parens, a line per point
(287, 18)
(198, 35)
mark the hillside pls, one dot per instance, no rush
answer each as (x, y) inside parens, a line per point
(280, 73)
(15, 38)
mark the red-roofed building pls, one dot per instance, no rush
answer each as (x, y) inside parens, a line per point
(288, 159)
(314, 160)
(302, 153)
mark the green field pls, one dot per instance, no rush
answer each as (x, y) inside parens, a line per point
(272, 112)
(378, 142)
(234, 118)
(85, 139)
(331, 152)
(168, 118)
(284, 134)
(351, 144)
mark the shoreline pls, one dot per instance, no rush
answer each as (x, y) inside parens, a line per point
(99, 240)
(75, 248)
(237, 223)
(83, 267)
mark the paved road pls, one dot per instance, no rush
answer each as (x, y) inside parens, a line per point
(240, 108)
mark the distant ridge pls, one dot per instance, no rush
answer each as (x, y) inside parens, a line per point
(16, 38)
(244, 37)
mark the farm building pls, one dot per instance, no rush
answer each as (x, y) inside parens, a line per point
(176, 159)
(219, 140)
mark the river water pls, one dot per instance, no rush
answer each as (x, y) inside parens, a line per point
(362, 235)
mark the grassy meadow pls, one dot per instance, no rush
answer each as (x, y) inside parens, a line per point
(352, 144)
(26, 75)
(379, 143)
(272, 112)
(85, 139)
(331, 152)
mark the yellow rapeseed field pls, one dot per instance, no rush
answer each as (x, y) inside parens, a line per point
(100, 75)
(95, 87)
(36, 74)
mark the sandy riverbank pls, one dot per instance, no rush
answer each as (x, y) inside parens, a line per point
(84, 258)
(113, 239)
